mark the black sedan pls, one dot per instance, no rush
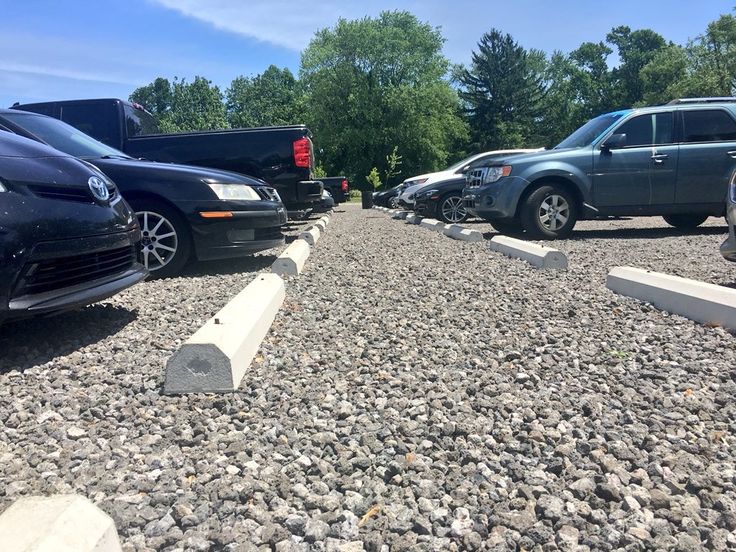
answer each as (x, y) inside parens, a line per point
(182, 210)
(67, 238)
(387, 198)
(442, 201)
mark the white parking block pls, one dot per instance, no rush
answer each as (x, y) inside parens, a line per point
(291, 261)
(457, 232)
(311, 236)
(320, 224)
(698, 301)
(62, 523)
(536, 255)
(216, 357)
(400, 215)
(411, 218)
(432, 224)
(326, 220)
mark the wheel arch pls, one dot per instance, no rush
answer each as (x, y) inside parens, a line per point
(565, 183)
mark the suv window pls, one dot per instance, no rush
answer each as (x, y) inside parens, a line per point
(712, 125)
(96, 119)
(648, 130)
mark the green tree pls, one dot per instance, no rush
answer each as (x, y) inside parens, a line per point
(665, 77)
(503, 91)
(183, 106)
(272, 98)
(635, 50)
(373, 83)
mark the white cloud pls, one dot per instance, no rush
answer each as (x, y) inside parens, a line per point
(287, 23)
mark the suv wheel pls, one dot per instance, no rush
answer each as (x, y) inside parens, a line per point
(451, 209)
(549, 213)
(165, 241)
(685, 221)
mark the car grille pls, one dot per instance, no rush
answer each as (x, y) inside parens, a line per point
(475, 177)
(469, 203)
(53, 274)
(268, 194)
(81, 195)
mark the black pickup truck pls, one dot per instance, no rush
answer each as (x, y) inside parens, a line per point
(337, 186)
(283, 156)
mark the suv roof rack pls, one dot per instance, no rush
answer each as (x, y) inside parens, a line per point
(714, 99)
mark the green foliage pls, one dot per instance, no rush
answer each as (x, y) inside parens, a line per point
(374, 179)
(376, 82)
(320, 172)
(635, 49)
(393, 162)
(270, 99)
(503, 91)
(181, 106)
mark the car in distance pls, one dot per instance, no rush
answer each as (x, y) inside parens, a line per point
(338, 187)
(183, 211)
(728, 248)
(387, 198)
(283, 156)
(415, 183)
(673, 160)
(67, 238)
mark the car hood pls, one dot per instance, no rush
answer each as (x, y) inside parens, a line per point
(444, 185)
(152, 170)
(517, 159)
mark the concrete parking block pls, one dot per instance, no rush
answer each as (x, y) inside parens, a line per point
(698, 301)
(457, 232)
(432, 224)
(400, 215)
(62, 523)
(320, 224)
(311, 236)
(411, 218)
(291, 261)
(536, 255)
(326, 220)
(216, 357)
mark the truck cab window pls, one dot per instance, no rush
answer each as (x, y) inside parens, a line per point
(95, 119)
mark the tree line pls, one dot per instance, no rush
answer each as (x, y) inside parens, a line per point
(374, 88)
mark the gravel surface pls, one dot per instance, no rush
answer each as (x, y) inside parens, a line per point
(415, 393)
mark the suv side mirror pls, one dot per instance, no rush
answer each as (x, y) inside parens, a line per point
(614, 141)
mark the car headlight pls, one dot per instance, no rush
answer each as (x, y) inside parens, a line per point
(3, 188)
(415, 182)
(494, 174)
(234, 191)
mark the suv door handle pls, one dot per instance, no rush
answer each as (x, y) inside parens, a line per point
(731, 154)
(660, 157)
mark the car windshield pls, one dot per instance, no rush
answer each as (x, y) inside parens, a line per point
(62, 136)
(591, 130)
(460, 163)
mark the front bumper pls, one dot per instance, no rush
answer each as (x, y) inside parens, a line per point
(253, 227)
(728, 247)
(496, 201)
(425, 207)
(68, 274)
(309, 191)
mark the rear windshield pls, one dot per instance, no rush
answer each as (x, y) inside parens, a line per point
(62, 136)
(139, 122)
(587, 134)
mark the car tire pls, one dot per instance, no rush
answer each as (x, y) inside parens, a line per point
(507, 227)
(166, 242)
(549, 213)
(450, 209)
(685, 222)
(393, 203)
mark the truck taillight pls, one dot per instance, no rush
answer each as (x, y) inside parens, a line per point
(344, 185)
(303, 152)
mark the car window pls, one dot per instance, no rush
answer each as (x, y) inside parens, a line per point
(96, 119)
(648, 130)
(139, 122)
(711, 125)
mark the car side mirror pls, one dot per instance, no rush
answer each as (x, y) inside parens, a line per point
(615, 141)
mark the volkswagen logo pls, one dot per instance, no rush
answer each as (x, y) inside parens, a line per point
(98, 188)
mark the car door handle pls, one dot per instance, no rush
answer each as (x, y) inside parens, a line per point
(731, 154)
(659, 157)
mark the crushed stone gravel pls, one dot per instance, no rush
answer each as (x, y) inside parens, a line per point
(414, 393)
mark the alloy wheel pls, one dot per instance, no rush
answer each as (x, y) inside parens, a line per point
(159, 241)
(453, 209)
(554, 212)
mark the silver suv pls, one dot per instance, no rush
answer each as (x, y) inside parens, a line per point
(673, 160)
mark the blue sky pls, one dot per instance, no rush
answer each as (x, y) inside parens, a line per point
(106, 48)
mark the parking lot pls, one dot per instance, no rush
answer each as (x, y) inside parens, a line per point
(414, 392)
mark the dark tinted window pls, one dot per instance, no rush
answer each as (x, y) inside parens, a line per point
(138, 122)
(638, 131)
(708, 126)
(96, 119)
(43, 109)
(648, 130)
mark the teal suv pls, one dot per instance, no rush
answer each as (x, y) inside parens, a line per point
(673, 160)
